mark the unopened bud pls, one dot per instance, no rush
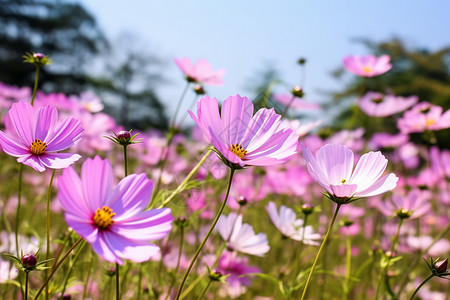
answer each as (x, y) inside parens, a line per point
(111, 272)
(297, 92)
(181, 222)
(301, 61)
(198, 89)
(441, 266)
(307, 209)
(29, 261)
(242, 201)
(124, 135)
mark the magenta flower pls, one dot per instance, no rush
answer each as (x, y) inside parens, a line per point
(367, 66)
(201, 72)
(36, 136)
(241, 138)
(424, 116)
(379, 105)
(113, 220)
(332, 168)
(414, 205)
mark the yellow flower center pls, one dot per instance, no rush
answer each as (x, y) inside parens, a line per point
(343, 181)
(103, 218)
(238, 150)
(367, 69)
(38, 147)
(430, 122)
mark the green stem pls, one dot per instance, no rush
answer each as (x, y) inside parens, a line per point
(288, 106)
(204, 290)
(19, 197)
(172, 124)
(219, 213)
(384, 270)
(320, 251)
(86, 282)
(185, 180)
(192, 285)
(297, 260)
(180, 251)
(66, 280)
(49, 196)
(117, 282)
(125, 159)
(348, 267)
(26, 284)
(36, 79)
(56, 268)
(421, 285)
(139, 285)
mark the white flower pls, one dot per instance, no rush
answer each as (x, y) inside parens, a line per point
(241, 237)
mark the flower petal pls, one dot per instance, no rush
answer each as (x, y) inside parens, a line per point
(58, 160)
(68, 133)
(102, 248)
(136, 251)
(46, 119)
(383, 185)
(70, 194)
(32, 161)
(336, 161)
(236, 114)
(97, 181)
(13, 146)
(22, 118)
(370, 167)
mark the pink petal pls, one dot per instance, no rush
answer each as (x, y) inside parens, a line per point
(383, 185)
(343, 190)
(128, 249)
(13, 146)
(22, 118)
(83, 227)
(337, 161)
(236, 114)
(32, 161)
(315, 170)
(58, 160)
(68, 133)
(47, 117)
(369, 168)
(70, 194)
(97, 181)
(102, 248)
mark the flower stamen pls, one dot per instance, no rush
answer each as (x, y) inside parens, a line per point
(238, 150)
(38, 147)
(367, 69)
(103, 218)
(343, 181)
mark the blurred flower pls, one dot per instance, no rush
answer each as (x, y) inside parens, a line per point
(241, 138)
(332, 168)
(440, 161)
(35, 137)
(286, 222)
(379, 105)
(201, 72)
(424, 116)
(414, 205)
(37, 59)
(367, 66)
(89, 101)
(421, 243)
(236, 267)
(113, 220)
(241, 237)
(299, 128)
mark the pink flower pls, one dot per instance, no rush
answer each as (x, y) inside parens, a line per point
(414, 205)
(295, 103)
(113, 220)
(36, 136)
(424, 116)
(241, 237)
(332, 168)
(367, 66)
(379, 105)
(201, 72)
(241, 138)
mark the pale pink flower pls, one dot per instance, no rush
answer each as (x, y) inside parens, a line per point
(241, 237)
(201, 72)
(424, 116)
(332, 168)
(414, 205)
(367, 66)
(379, 105)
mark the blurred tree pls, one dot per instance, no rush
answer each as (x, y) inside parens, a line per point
(418, 72)
(63, 30)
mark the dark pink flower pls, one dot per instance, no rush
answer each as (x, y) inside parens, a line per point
(201, 72)
(424, 116)
(244, 139)
(367, 66)
(36, 136)
(113, 220)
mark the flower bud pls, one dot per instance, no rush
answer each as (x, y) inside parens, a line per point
(301, 61)
(403, 213)
(37, 59)
(441, 266)
(111, 272)
(242, 201)
(124, 136)
(181, 222)
(198, 89)
(298, 92)
(307, 209)
(29, 261)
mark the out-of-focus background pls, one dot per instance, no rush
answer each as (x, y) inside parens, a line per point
(124, 50)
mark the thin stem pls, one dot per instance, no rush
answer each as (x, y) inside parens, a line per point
(139, 285)
(66, 280)
(348, 265)
(204, 290)
(180, 251)
(172, 124)
(36, 79)
(26, 284)
(300, 248)
(125, 160)
(49, 196)
(219, 213)
(56, 268)
(185, 180)
(19, 197)
(288, 106)
(192, 286)
(320, 251)
(421, 285)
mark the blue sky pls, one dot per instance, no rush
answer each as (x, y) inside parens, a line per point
(243, 36)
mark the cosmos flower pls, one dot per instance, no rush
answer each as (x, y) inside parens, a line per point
(295, 102)
(241, 138)
(36, 136)
(113, 220)
(414, 205)
(379, 105)
(367, 66)
(201, 72)
(287, 223)
(424, 116)
(241, 237)
(332, 168)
